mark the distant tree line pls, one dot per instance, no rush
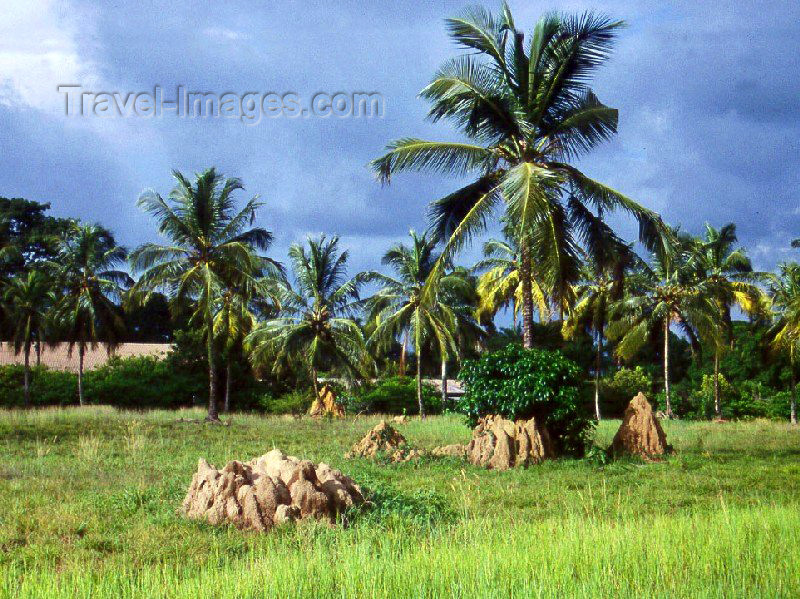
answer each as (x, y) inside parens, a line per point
(666, 314)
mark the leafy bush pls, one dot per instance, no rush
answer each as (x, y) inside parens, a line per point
(393, 395)
(293, 402)
(618, 389)
(518, 383)
(48, 387)
(141, 382)
(749, 399)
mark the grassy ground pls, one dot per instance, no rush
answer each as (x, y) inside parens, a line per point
(88, 501)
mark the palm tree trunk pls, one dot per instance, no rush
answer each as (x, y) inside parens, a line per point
(418, 351)
(227, 406)
(514, 313)
(402, 366)
(793, 395)
(38, 351)
(315, 382)
(444, 382)
(213, 414)
(27, 383)
(597, 360)
(81, 352)
(527, 295)
(666, 367)
(717, 406)
(419, 387)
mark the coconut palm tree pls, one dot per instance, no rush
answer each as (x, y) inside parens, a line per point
(499, 286)
(212, 246)
(9, 252)
(316, 317)
(730, 274)
(462, 297)
(237, 317)
(785, 331)
(528, 110)
(29, 299)
(88, 283)
(602, 284)
(668, 291)
(400, 308)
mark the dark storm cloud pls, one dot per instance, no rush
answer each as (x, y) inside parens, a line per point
(707, 92)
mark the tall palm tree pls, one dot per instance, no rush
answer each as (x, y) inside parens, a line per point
(212, 246)
(315, 321)
(499, 286)
(9, 252)
(88, 282)
(29, 299)
(528, 110)
(232, 323)
(602, 284)
(237, 317)
(785, 331)
(730, 274)
(461, 295)
(401, 308)
(666, 292)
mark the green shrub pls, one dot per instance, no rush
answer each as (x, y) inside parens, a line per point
(777, 406)
(140, 382)
(293, 402)
(518, 383)
(48, 387)
(394, 395)
(750, 399)
(619, 388)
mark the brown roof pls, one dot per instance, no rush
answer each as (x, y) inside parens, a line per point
(59, 357)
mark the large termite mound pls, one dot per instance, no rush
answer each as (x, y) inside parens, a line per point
(268, 490)
(500, 444)
(325, 404)
(383, 438)
(640, 433)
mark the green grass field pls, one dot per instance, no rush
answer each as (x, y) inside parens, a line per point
(89, 509)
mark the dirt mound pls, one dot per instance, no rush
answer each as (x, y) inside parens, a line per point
(640, 432)
(449, 451)
(267, 491)
(407, 455)
(382, 438)
(500, 444)
(326, 404)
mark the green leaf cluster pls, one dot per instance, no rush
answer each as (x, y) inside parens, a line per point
(523, 383)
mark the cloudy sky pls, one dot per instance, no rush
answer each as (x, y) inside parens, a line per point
(708, 93)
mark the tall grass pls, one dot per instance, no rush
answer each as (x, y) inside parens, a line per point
(90, 496)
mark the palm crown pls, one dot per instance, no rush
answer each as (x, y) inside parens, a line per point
(668, 291)
(402, 307)
(316, 315)
(213, 248)
(500, 283)
(89, 283)
(30, 298)
(785, 331)
(529, 109)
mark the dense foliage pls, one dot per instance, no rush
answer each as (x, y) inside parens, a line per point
(47, 388)
(618, 388)
(660, 322)
(393, 395)
(522, 383)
